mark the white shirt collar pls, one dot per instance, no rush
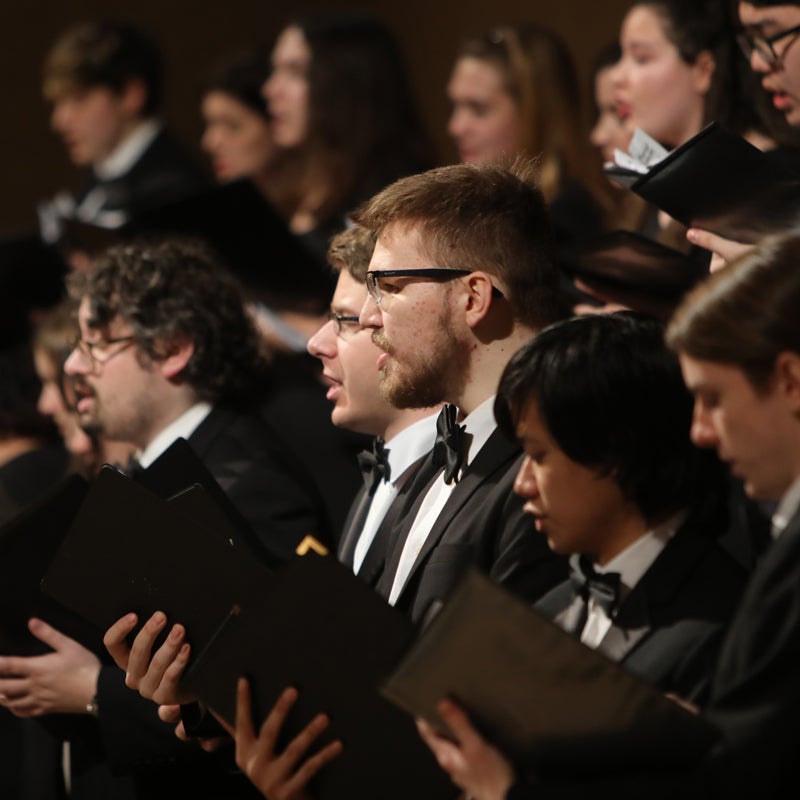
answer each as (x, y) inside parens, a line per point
(636, 559)
(183, 427)
(408, 446)
(787, 508)
(128, 151)
(480, 425)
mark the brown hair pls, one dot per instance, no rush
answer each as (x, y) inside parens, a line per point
(539, 74)
(351, 251)
(480, 217)
(363, 129)
(109, 54)
(163, 288)
(746, 314)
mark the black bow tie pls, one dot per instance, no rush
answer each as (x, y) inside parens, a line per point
(374, 465)
(602, 586)
(450, 447)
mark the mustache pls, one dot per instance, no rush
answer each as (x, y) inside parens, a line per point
(380, 340)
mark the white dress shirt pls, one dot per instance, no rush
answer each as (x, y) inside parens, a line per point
(787, 508)
(118, 163)
(479, 425)
(402, 451)
(183, 427)
(631, 564)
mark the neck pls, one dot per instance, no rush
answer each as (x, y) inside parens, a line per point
(405, 418)
(178, 405)
(627, 528)
(487, 362)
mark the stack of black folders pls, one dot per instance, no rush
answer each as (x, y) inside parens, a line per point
(543, 697)
(312, 625)
(720, 182)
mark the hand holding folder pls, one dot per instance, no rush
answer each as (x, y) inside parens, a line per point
(312, 625)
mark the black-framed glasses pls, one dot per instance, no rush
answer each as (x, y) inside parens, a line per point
(378, 289)
(751, 39)
(96, 353)
(345, 324)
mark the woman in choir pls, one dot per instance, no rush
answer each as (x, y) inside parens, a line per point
(515, 91)
(341, 109)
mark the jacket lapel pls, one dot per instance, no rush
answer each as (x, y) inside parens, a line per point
(662, 581)
(494, 455)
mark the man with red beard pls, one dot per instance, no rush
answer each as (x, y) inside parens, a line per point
(461, 277)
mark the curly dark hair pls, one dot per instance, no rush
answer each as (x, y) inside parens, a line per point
(170, 287)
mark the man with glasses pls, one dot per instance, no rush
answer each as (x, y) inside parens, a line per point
(166, 350)
(462, 275)
(403, 436)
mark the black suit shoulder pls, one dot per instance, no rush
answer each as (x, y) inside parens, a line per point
(669, 629)
(263, 479)
(163, 173)
(482, 526)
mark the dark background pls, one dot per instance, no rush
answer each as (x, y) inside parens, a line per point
(194, 34)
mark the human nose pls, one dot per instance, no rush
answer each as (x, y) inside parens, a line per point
(370, 315)
(758, 63)
(457, 124)
(77, 363)
(323, 342)
(525, 482)
(703, 433)
(58, 117)
(46, 404)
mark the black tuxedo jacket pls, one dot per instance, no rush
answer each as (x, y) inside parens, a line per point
(669, 628)
(274, 496)
(163, 173)
(482, 525)
(755, 700)
(264, 480)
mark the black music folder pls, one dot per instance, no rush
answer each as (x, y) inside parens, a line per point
(720, 182)
(546, 700)
(319, 628)
(28, 542)
(128, 550)
(636, 271)
(313, 625)
(179, 468)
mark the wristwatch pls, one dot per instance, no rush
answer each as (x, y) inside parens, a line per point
(92, 707)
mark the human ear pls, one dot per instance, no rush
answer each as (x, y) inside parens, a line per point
(479, 296)
(177, 351)
(787, 378)
(703, 70)
(134, 97)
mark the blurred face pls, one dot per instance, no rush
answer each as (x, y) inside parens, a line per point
(485, 120)
(782, 79)
(237, 138)
(348, 360)
(52, 404)
(578, 510)
(423, 354)
(92, 122)
(286, 90)
(754, 432)
(611, 129)
(665, 95)
(116, 394)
